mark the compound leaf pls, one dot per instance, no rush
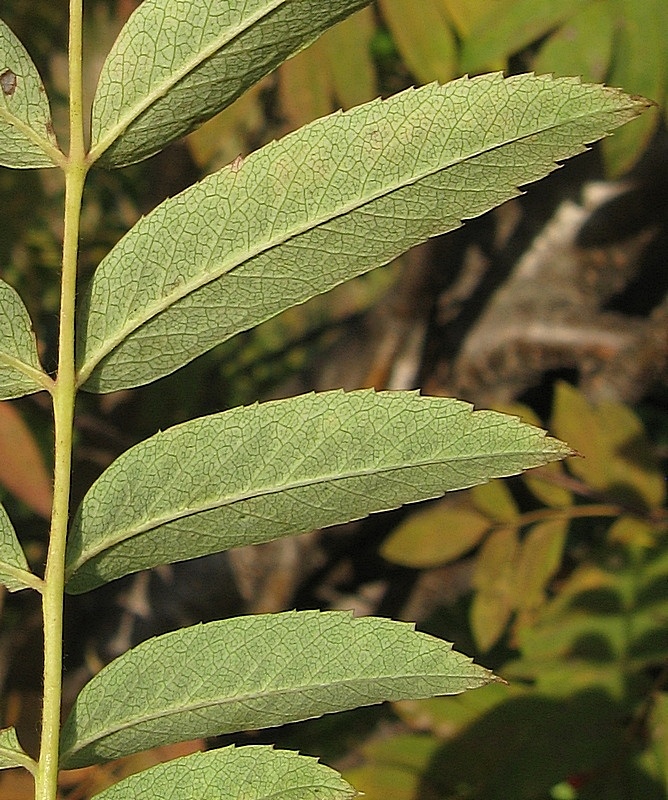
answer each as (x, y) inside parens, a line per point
(255, 772)
(256, 672)
(26, 133)
(20, 370)
(175, 65)
(253, 474)
(333, 200)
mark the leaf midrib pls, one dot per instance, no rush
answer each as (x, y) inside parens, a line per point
(157, 522)
(55, 156)
(343, 210)
(39, 378)
(249, 696)
(161, 89)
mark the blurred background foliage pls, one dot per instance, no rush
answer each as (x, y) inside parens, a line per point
(557, 580)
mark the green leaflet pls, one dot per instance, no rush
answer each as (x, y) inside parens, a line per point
(255, 772)
(331, 201)
(257, 473)
(14, 570)
(176, 64)
(20, 370)
(26, 133)
(11, 752)
(256, 672)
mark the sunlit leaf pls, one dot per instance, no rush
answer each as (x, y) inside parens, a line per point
(256, 672)
(425, 40)
(538, 560)
(605, 627)
(328, 202)
(545, 486)
(495, 500)
(11, 752)
(20, 370)
(253, 474)
(256, 772)
(494, 580)
(22, 468)
(617, 458)
(14, 570)
(435, 535)
(26, 133)
(175, 65)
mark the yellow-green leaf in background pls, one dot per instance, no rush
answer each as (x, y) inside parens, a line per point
(633, 463)
(436, 535)
(632, 532)
(582, 45)
(465, 14)
(392, 766)
(494, 579)
(539, 558)
(495, 501)
(305, 87)
(617, 458)
(425, 39)
(640, 65)
(348, 46)
(542, 483)
(509, 26)
(576, 419)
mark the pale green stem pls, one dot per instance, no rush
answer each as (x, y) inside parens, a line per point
(64, 392)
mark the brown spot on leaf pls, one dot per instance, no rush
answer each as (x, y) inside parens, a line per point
(236, 165)
(8, 82)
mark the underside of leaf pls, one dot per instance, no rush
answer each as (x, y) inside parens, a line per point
(331, 201)
(255, 772)
(256, 672)
(254, 474)
(20, 370)
(175, 65)
(26, 133)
